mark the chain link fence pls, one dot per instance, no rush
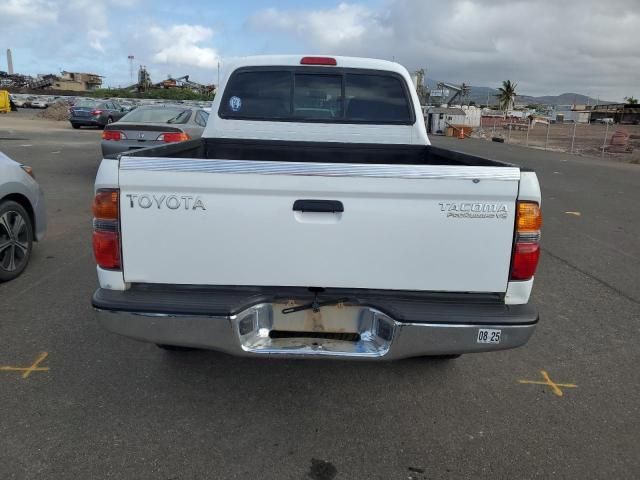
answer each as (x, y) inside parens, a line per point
(605, 140)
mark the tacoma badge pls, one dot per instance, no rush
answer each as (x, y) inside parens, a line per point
(474, 210)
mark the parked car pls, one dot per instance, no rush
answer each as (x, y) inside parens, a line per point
(22, 216)
(314, 219)
(28, 100)
(128, 106)
(152, 126)
(39, 103)
(19, 101)
(95, 113)
(604, 121)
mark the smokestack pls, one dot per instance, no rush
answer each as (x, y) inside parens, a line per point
(9, 62)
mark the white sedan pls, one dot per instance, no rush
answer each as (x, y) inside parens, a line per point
(39, 103)
(22, 216)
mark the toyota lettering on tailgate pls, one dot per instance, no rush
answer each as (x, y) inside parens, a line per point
(172, 202)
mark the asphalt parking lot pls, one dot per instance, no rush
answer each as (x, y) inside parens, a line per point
(101, 406)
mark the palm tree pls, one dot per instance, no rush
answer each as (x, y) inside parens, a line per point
(631, 100)
(507, 95)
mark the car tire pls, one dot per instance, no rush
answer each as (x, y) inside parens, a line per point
(75, 125)
(174, 348)
(15, 247)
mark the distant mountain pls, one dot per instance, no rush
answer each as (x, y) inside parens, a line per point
(479, 95)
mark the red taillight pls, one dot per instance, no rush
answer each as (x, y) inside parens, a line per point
(113, 135)
(172, 137)
(106, 228)
(318, 61)
(106, 248)
(95, 112)
(526, 250)
(525, 261)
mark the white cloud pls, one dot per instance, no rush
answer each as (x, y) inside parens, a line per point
(547, 46)
(95, 38)
(90, 16)
(124, 3)
(27, 12)
(329, 28)
(181, 45)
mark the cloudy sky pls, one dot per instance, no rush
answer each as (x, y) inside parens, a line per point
(547, 46)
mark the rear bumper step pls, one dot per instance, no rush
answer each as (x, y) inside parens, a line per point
(348, 331)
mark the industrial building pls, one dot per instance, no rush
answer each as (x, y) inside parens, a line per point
(572, 113)
(439, 118)
(625, 113)
(77, 82)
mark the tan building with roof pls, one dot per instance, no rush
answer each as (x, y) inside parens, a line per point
(77, 81)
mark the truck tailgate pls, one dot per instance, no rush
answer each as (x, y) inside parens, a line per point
(235, 222)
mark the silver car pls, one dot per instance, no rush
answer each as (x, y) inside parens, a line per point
(150, 126)
(22, 217)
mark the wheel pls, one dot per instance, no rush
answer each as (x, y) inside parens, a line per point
(175, 348)
(75, 125)
(16, 239)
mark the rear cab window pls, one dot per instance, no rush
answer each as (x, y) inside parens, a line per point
(303, 94)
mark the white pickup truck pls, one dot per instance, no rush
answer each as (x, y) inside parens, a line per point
(314, 218)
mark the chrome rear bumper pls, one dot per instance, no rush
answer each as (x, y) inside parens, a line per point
(353, 332)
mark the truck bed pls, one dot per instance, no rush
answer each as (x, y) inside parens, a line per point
(321, 152)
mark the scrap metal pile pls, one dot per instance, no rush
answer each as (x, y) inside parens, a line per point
(17, 81)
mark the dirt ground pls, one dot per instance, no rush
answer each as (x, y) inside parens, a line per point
(30, 119)
(587, 139)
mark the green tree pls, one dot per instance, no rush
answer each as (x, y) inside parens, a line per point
(160, 93)
(631, 100)
(507, 95)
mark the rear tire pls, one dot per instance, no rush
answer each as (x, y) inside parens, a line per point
(109, 121)
(75, 125)
(16, 240)
(175, 348)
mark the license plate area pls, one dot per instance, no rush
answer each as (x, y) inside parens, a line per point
(333, 330)
(489, 335)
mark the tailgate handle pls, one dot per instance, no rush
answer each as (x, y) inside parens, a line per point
(330, 206)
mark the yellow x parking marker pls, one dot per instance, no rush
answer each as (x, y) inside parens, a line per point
(29, 370)
(555, 387)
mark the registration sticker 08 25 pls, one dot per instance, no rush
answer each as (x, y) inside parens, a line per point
(489, 335)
